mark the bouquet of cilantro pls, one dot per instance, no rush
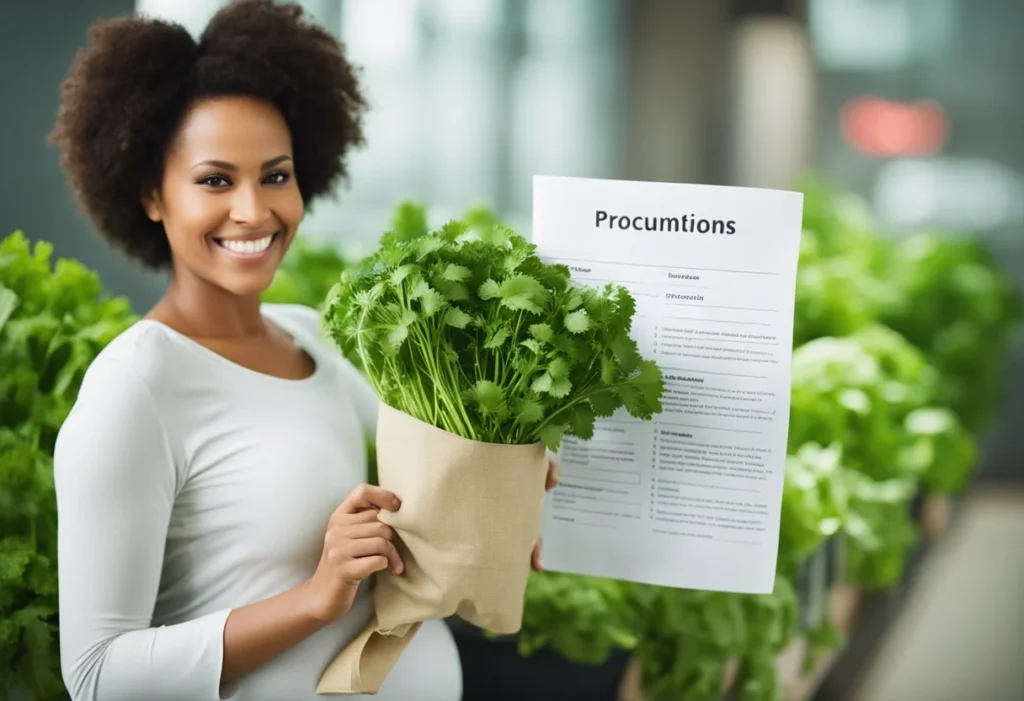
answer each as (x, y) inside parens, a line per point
(483, 357)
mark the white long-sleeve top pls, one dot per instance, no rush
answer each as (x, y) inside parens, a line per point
(187, 486)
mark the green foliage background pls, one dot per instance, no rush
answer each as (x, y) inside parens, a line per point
(897, 371)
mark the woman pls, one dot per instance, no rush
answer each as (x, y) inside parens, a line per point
(214, 538)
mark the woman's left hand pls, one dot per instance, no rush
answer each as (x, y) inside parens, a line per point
(551, 483)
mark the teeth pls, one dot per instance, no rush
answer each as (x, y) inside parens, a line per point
(248, 247)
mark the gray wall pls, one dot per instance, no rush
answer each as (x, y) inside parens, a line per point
(38, 40)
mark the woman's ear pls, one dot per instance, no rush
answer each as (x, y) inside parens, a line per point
(150, 198)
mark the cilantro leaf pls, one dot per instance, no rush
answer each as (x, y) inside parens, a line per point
(577, 321)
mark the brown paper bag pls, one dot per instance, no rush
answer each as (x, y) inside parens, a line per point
(470, 517)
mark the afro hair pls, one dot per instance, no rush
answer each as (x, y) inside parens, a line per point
(128, 89)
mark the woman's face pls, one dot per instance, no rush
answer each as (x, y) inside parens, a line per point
(228, 200)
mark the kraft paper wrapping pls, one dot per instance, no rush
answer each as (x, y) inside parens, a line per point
(470, 517)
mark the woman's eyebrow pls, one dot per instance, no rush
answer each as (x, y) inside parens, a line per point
(276, 161)
(231, 166)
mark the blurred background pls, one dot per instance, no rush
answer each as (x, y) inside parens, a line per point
(909, 110)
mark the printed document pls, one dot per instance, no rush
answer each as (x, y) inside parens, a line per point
(692, 498)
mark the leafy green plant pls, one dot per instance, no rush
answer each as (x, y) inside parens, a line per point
(879, 530)
(871, 397)
(815, 503)
(954, 303)
(53, 322)
(835, 295)
(945, 294)
(584, 619)
(306, 274)
(28, 582)
(469, 330)
(941, 450)
(857, 392)
(773, 622)
(689, 639)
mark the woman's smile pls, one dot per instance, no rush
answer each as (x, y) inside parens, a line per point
(249, 248)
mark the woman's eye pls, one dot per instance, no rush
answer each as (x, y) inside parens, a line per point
(277, 178)
(219, 181)
(215, 181)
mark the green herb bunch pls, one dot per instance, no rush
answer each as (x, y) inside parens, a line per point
(467, 329)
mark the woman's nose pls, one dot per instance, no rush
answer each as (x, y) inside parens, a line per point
(248, 207)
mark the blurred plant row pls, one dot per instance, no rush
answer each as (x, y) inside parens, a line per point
(899, 347)
(897, 372)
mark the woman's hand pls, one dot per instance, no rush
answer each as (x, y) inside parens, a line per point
(356, 545)
(551, 483)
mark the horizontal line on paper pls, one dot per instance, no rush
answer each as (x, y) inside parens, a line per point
(698, 390)
(720, 306)
(720, 321)
(697, 444)
(616, 501)
(719, 340)
(575, 522)
(583, 463)
(662, 530)
(708, 372)
(599, 513)
(587, 448)
(574, 454)
(672, 502)
(658, 283)
(740, 542)
(665, 267)
(683, 498)
(710, 428)
(603, 479)
(712, 486)
(561, 498)
(608, 469)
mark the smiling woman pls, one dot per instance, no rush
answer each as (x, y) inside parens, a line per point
(228, 200)
(215, 532)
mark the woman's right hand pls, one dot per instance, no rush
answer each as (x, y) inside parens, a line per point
(356, 545)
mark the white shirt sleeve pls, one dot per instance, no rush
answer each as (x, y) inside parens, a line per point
(116, 479)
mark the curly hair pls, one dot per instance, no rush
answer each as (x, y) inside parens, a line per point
(129, 88)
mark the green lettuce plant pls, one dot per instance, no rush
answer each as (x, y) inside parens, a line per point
(962, 310)
(54, 320)
(871, 397)
(946, 294)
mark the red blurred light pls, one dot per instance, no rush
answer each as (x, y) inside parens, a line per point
(882, 127)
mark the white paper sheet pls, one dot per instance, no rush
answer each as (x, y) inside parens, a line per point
(691, 499)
